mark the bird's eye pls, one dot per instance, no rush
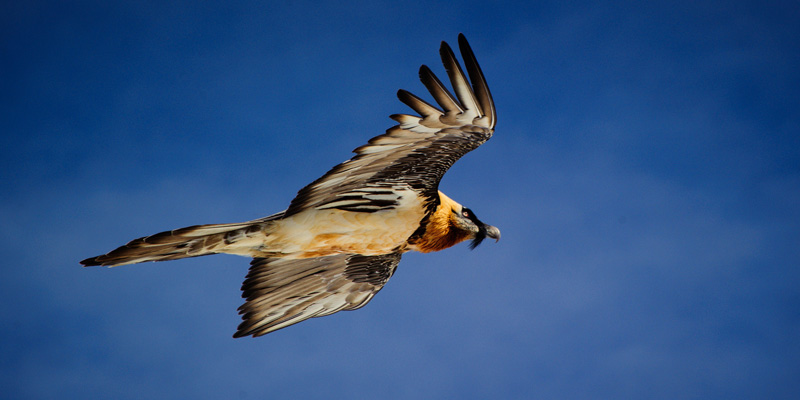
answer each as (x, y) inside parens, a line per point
(465, 213)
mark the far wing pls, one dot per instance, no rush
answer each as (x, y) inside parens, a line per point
(419, 150)
(281, 292)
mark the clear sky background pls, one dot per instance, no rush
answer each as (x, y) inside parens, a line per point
(645, 174)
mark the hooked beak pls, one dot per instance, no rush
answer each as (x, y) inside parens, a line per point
(485, 231)
(492, 232)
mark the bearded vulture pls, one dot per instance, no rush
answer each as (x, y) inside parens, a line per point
(342, 236)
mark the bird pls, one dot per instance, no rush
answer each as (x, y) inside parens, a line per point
(341, 238)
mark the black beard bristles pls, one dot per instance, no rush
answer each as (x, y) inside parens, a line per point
(478, 238)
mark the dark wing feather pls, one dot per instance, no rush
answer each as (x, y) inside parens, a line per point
(281, 292)
(418, 151)
(479, 86)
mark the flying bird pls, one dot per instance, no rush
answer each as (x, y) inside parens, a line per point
(342, 236)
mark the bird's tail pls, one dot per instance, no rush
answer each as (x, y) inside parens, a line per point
(192, 241)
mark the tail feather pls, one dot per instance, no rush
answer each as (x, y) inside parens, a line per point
(192, 241)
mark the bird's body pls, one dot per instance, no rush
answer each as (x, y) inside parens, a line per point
(341, 238)
(317, 233)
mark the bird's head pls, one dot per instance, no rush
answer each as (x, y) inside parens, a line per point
(450, 224)
(464, 219)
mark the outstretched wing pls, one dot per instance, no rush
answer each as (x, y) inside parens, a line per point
(281, 292)
(419, 150)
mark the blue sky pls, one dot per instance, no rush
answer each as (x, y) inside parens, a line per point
(645, 174)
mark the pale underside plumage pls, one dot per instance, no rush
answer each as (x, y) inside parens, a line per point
(341, 237)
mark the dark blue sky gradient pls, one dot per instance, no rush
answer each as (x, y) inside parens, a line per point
(645, 174)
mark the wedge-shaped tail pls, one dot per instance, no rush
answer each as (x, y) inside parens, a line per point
(192, 241)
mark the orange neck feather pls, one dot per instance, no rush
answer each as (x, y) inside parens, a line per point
(439, 231)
